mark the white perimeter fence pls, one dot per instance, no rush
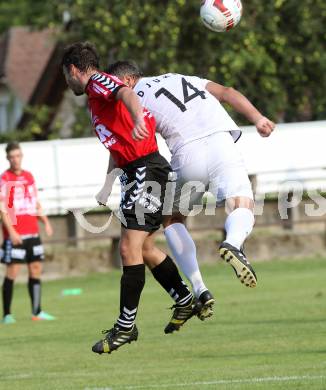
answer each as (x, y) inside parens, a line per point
(70, 172)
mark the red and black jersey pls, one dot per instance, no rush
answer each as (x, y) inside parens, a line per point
(19, 197)
(113, 123)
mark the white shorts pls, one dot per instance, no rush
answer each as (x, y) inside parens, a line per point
(211, 164)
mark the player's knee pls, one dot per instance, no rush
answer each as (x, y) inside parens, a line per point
(129, 252)
(12, 271)
(147, 252)
(35, 269)
(239, 202)
(148, 262)
(124, 250)
(174, 218)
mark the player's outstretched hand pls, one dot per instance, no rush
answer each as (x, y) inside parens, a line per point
(265, 127)
(140, 131)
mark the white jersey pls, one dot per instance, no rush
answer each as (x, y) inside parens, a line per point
(184, 110)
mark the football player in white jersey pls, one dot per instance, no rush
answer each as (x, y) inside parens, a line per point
(200, 135)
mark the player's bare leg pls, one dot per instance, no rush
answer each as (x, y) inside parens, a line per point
(238, 226)
(12, 271)
(132, 283)
(184, 251)
(167, 275)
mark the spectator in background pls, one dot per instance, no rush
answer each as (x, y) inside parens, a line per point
(20, 212)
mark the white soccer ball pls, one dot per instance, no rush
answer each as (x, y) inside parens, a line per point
(221, 15)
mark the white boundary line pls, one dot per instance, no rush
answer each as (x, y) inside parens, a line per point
(307, 378)
(227, 382)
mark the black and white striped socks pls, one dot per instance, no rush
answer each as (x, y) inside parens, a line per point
(132, 284)
(168, 276)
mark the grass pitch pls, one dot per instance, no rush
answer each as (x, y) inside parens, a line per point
(271, 337)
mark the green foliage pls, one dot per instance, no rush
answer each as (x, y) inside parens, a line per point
(276, 56)
(25, 13)
(82, 126)
(39, 117)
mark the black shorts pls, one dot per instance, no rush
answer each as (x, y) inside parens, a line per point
(143, 190)
(29, 251)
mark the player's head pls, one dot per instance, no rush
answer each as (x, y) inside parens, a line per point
(127, 71)
(14, 155)
(79, 60)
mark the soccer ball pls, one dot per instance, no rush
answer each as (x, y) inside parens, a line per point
(221, 15)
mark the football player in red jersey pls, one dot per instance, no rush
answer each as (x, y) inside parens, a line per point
(118, 118)
(20, 212)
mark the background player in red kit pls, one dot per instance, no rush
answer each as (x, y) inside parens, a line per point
(118, 117)
(20, 212)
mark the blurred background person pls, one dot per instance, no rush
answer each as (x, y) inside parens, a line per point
(22, 244)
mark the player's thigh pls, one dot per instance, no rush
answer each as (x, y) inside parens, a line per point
(131, 246)
(13, 254)
(143, 190)
(34, 250)
(227, 171)
(190, 167)
(34, 256)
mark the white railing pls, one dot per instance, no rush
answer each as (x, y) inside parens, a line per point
(70, 172)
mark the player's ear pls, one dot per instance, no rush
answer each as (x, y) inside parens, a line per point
(128, 81)
(125, 80)
(73, 71)
(133, 81)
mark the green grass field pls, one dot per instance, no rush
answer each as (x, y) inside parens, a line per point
(271, 337)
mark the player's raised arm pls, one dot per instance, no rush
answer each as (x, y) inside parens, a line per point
(242, 105)
(132, 102)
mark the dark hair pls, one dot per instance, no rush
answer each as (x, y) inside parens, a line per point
(12, 146)
(81, 54)
(125, 68)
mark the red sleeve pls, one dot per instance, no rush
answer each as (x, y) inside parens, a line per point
(6, 191)
(105, 85)
(3, 181)
(31, 181)
(29, 177)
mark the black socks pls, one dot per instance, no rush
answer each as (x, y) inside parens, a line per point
(132, 284)
(7, 292)
(34, 289)
(168, 276)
